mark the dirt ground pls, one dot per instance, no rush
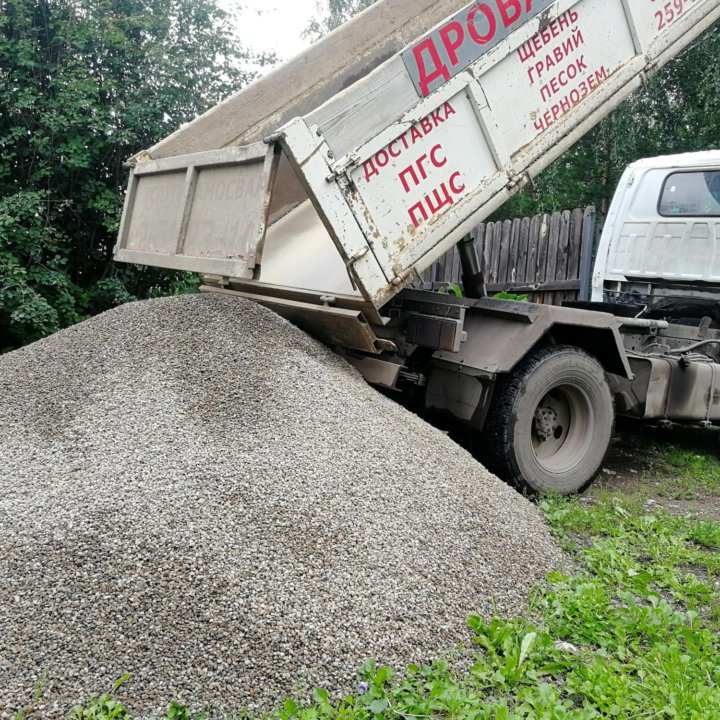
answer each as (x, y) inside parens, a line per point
(676, 468)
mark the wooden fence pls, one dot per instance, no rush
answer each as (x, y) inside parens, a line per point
(547, 257)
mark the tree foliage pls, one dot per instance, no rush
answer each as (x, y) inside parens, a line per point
(334, 13)
(83, 85)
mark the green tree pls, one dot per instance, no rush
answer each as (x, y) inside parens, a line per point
(83, 85)
(333, 14)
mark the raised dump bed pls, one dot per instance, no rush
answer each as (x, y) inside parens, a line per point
(330, 185)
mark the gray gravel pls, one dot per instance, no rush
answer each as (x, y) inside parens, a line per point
(196, 492)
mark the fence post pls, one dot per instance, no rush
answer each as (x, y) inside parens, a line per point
(588, 248)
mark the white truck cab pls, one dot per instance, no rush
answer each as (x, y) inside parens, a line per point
(662, 234)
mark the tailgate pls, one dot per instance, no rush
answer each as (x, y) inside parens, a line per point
(204, 213)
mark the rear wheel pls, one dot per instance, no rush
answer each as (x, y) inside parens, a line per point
(550, 423)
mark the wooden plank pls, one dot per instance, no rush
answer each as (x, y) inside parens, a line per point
(588, 248)
(496, 251)
(486, 262)
(533, 249)
(440, 269)
(578, 221)
(450, 266)
(542, 255)
(447, 277)
(551, 247)
(455, 273)
(486, 256)
(445, 271)
(563, 248)
(543, 245)
(504, 264)
(514, 259)
(522, 250)
(478, 236)
(575, 248)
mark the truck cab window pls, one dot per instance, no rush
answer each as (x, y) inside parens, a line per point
(691, 194)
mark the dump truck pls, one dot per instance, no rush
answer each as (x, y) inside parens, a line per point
(326, 188)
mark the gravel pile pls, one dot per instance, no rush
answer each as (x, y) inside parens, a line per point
(196, 492)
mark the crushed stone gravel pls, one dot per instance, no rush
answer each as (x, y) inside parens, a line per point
(196, 492)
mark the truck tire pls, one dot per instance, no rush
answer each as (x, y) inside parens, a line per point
(550, 422)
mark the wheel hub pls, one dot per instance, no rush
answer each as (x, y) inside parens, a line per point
(546, 423)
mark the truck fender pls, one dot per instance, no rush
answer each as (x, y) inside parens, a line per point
(501, 333)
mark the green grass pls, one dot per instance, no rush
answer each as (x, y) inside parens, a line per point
(692, 473)
(631, 632)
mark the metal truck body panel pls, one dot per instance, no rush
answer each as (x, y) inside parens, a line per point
(387, 156)
(321, 72)
(493, 328)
